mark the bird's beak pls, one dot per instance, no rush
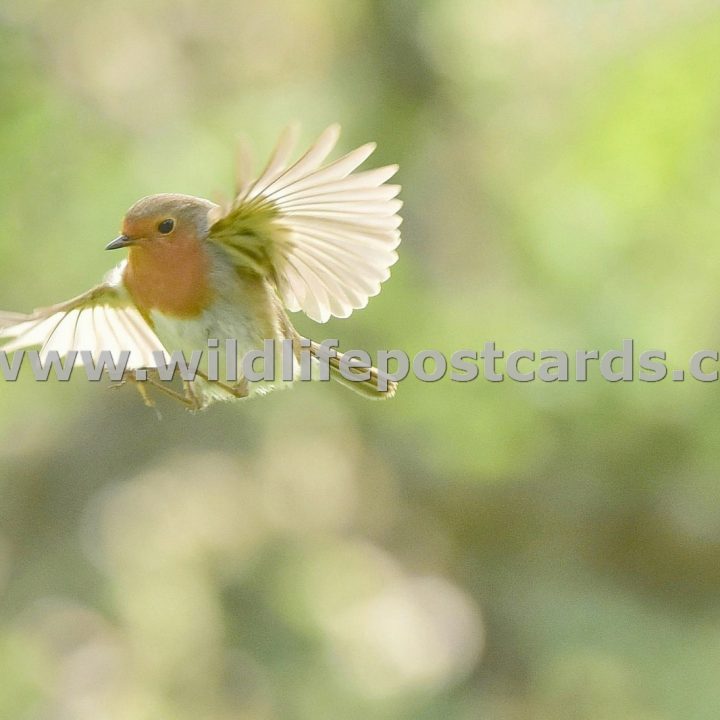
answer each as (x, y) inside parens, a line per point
(119, 242)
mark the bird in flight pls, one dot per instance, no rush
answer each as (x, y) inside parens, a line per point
(311, 235)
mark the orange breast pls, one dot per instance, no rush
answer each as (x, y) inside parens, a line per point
(172, 278)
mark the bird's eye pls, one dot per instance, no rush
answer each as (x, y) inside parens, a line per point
(166, 226)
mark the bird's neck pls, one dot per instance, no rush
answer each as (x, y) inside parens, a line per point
(172, 279)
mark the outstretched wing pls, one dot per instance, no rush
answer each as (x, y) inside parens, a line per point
(103, 318)
(324, 234)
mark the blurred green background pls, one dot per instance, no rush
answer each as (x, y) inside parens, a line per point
(466, 551)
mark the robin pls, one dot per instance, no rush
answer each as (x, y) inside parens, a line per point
(303, 236)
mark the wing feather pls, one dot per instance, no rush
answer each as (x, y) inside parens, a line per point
(103, 319)
(304, 166)
(324, 234)
(277, 163)
(297, 179)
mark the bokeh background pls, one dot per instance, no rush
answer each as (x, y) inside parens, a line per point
(466, 551)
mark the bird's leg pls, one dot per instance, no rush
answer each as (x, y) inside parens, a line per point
(147, 400)
(130, 377)
(188, 398)
(239, 390)
(191, 395)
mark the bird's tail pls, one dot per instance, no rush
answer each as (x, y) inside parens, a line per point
(376, 387)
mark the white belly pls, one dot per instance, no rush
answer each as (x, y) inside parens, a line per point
(243, 313)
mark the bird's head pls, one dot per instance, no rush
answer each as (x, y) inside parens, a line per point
(168, 263)
(159, 222)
